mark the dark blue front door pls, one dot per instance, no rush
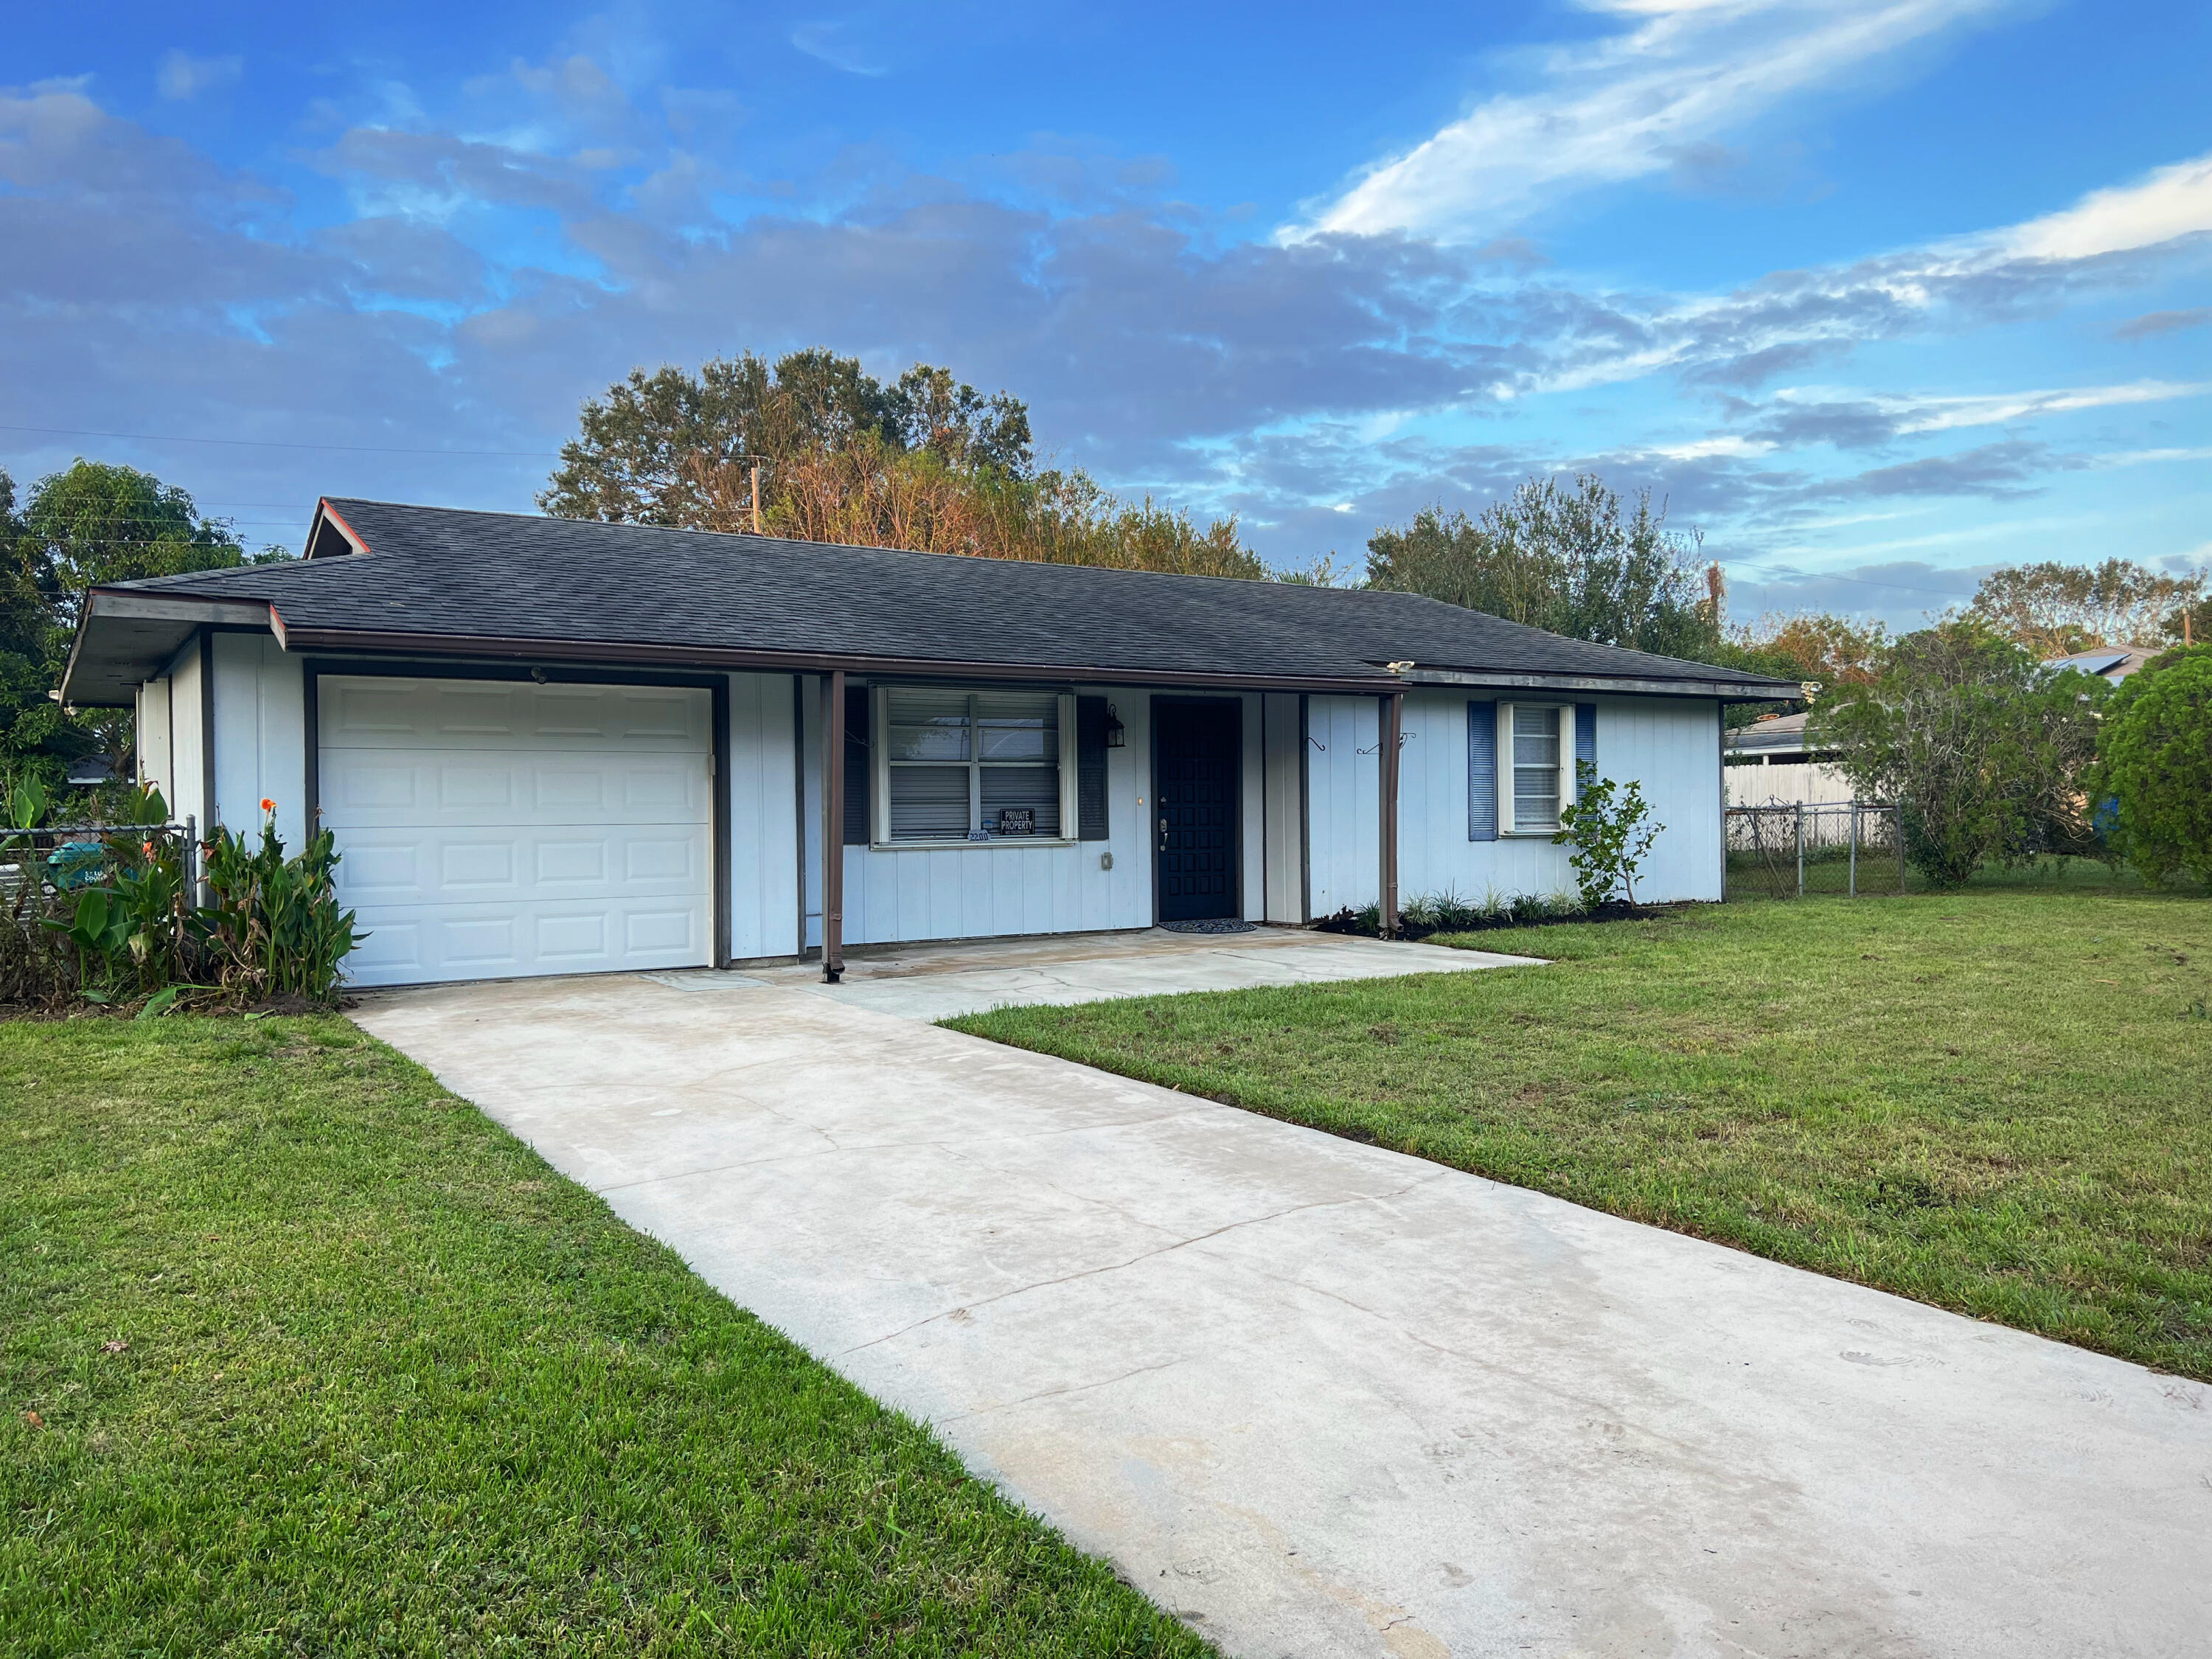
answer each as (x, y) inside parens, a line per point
(1195, 770)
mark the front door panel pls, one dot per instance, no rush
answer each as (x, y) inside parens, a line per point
(1194, 828)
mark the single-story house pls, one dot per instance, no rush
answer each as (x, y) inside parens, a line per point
(549, 745)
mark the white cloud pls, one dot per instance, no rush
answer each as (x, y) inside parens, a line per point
(1948, 413)
(180, 75)
(1626, 106)
(2172, 202)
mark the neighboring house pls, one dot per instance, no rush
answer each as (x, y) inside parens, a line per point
(549, 745)
(2109, 662)
(1770, 763)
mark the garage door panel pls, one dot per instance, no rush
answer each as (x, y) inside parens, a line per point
(441, 867)
(377, 789)
(413, 944)
(362, 712)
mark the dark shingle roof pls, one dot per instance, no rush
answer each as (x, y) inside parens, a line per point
(432, 571)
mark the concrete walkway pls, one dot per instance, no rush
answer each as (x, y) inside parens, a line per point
(1321, 1399)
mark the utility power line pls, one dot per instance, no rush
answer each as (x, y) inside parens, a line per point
(270, 443)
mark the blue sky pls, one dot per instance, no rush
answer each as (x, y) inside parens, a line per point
(1875, 293)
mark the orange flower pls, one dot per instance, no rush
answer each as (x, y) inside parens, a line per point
(267, 804)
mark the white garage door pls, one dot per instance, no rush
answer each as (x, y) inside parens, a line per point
(495, 828)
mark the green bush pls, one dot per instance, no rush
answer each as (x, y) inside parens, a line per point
(1608, 828)
(1980, 746)
(2154, 765)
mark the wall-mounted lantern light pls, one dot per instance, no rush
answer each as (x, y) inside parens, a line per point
(1116, 739)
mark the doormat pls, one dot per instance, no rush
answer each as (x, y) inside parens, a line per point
(1210, 925)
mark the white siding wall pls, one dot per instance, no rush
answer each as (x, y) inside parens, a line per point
(1671, 747)
(1252, 777)
(1342, 798)
(1282, 838)
(151, 729)
(260, 736)
(188, 749)
(764, 819)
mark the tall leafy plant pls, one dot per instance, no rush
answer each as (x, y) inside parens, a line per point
(274, 925)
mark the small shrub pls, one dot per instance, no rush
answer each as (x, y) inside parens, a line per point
(1609, 829)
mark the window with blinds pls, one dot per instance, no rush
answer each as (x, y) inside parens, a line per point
(971, 765)
(1532, 767)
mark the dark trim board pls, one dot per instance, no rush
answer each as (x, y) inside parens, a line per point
(717, 686)
(208, 813)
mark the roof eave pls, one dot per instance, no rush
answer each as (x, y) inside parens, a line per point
(1728, 691)
(143, 630)
(383, 643)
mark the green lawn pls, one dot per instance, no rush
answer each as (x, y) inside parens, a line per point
(1998, 1101)
(303, 1356)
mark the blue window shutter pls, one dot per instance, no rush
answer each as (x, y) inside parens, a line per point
(1585, 743)
(1482, 771)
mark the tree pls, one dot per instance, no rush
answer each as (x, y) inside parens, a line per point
(89, 523)
(95, 522)
(1565, 559)
(659, 447)
(2055, 609)
(1815, 649)
(869, 494)
(1980, 746)
(926, 463)
(2154, 761)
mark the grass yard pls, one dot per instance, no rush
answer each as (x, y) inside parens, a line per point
(1999, 1101)
(303, 1356)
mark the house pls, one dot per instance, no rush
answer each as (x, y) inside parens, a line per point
(547, 745)
(1773, 762)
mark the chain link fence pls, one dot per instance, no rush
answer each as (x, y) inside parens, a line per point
(1791, 850)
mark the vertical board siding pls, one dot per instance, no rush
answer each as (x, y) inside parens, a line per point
(151, 733)
(1665, 744)
(187, 757)
(1283, 845)
(763, 823)
(1252, 813)
(1343, 800)
(260, 736)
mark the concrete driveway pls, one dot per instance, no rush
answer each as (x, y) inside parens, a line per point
(1319, 1398)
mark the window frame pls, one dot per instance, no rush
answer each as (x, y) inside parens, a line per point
(1570, 774)
(879, 825)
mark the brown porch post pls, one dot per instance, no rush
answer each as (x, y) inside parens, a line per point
(1388, 725)
(833, 825)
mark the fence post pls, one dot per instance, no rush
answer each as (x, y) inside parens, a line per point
(1897, 832)
(1855, 847)
(190, 860)
(1801, 849)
